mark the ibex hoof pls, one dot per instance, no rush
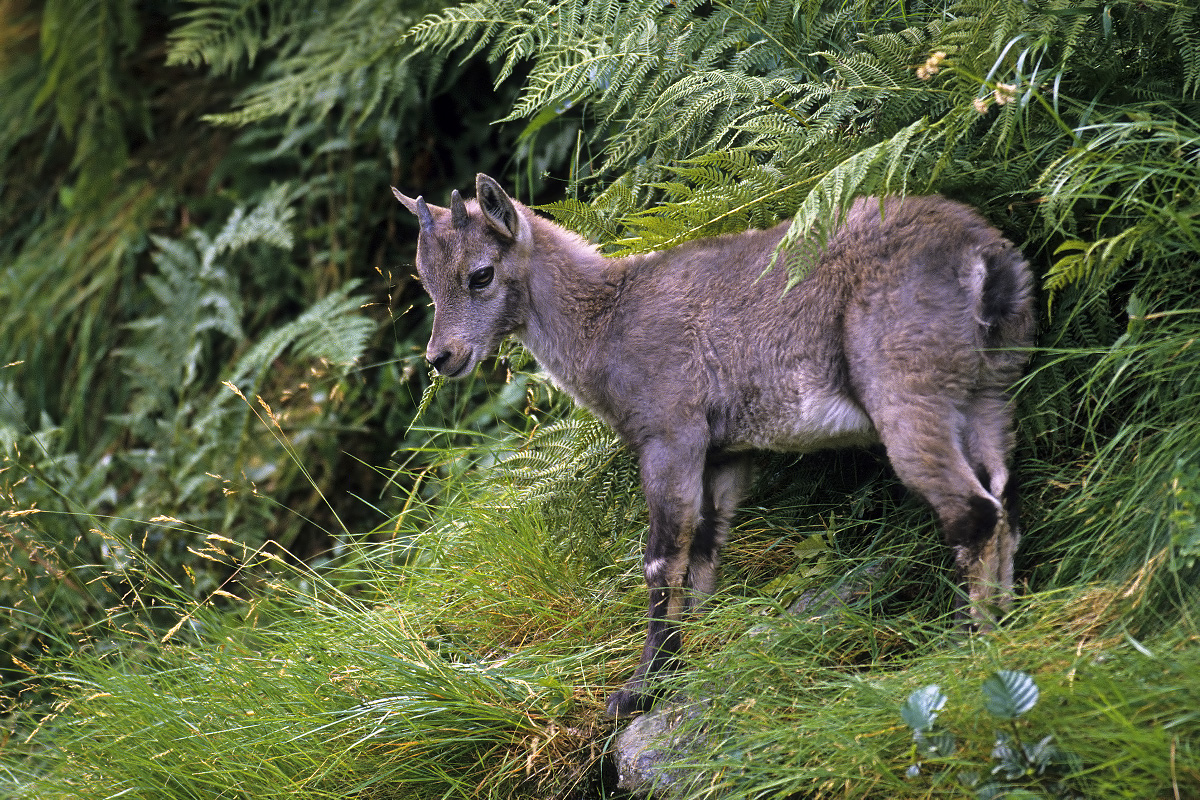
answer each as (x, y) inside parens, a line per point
(629, 702)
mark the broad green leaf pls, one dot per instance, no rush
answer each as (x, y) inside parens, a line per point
(1041, 754)
(919, 711)
(936, 743)
(1009, 693)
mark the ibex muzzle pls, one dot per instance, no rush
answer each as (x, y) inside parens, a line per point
(909, 329)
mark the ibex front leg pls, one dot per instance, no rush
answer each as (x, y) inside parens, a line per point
(672, 478)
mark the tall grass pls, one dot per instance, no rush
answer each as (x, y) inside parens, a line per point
(471, 657)
(479, 663)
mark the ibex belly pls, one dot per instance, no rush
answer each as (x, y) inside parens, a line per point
(798, 419)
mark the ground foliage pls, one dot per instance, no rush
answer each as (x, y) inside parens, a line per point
(188, 357)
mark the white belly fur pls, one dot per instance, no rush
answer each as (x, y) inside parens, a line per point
(806, 421)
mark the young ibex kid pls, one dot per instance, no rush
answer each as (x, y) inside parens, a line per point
(908, 330)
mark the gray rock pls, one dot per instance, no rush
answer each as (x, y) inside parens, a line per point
(652, 740)
(825, 600)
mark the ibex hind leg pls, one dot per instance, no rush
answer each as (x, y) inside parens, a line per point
(928, 448)
(989, 441)
(979, 539)
(725, 479)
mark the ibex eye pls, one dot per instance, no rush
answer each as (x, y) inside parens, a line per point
(480, 278)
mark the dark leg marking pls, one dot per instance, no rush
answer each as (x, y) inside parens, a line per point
(972, 538)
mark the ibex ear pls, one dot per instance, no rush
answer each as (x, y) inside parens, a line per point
(497, 207)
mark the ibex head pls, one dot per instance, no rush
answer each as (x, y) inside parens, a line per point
(473, 259)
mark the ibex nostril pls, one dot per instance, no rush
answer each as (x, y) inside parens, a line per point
(438, 361)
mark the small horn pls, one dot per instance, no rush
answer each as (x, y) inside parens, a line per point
(458, 211)
(423, 215)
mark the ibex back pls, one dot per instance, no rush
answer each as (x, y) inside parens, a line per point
(908, 329)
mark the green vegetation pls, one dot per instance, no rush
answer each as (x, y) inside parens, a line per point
(1021, 767)
(249, 552)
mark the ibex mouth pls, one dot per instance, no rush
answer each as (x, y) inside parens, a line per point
(449, 366)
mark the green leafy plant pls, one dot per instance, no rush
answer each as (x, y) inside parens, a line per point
(462, 623)
(193, 318)
(1020, 769)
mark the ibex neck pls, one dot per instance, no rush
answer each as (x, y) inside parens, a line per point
(573, 291)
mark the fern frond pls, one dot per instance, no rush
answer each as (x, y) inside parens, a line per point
(479, 23)
(84, 79)
(334, 55)
(269, 222)
(575, 457)
(877, 169)
(1184, 25)
(1138, 179)
(582, 218)
(333, 330)
(197, 296)
(862, 71)
(229, 34)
